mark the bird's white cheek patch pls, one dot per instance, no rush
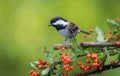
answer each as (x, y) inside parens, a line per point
(60, 22)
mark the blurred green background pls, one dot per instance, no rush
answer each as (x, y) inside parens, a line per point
(24, 28)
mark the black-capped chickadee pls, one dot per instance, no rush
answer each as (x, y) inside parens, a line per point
(66, 28)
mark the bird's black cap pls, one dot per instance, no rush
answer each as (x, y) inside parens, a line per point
(56, 19)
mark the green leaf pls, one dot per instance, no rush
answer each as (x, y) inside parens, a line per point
(33, 66)
(100, 37)
(74, 45)
(75, 56)
(114, 26)
(46, 71)
(35, 62)
(118, 57)
(112, 52)
(99, 74)
(103, 59)
(49, 56)
(59, 73)
(112, 22)
(50, 60)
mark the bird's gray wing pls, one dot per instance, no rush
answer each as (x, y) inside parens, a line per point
(73, 28)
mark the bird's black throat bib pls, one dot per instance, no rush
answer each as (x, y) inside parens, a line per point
(59, 27)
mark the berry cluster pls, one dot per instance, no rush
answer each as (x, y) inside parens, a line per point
(90, 31)
(110, 35)
(65, 59)
(93, 63)
(61, 51)
(89, 37)
(68, 68)
(67, 62)
(113, 36)
(42, 64)
(34, 73)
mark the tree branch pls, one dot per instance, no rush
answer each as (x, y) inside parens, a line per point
(86, 45)
(95, 70)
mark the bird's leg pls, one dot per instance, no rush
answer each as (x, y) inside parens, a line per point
(66, 42)
(65, 39)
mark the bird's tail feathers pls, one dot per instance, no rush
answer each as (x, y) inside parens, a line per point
(84, 32)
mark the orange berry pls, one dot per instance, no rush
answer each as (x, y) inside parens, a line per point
(39, 62)
(85, 36)
(100, 68)
(112, 62)
(66, 62)
(46, 66)
(71, 67)
(94, 56)
(62, 49)
(85, 69)
(35, 74)
(118, 35)
(96, 60)
(69, 60)
(110, 37)
(110, 32)
(87, 61)
(67, 54)
(66, 66)
(88, 67)
(95, 64)
(80, 63)
(67, 69)
(30, 72)
(65, 58)
(82, 66)
(40, 66)
(44, 62)
(91, 30)
(118, 43)
(88, 55)
(60, 53)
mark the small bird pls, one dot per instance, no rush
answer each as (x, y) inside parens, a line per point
(66, 28)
